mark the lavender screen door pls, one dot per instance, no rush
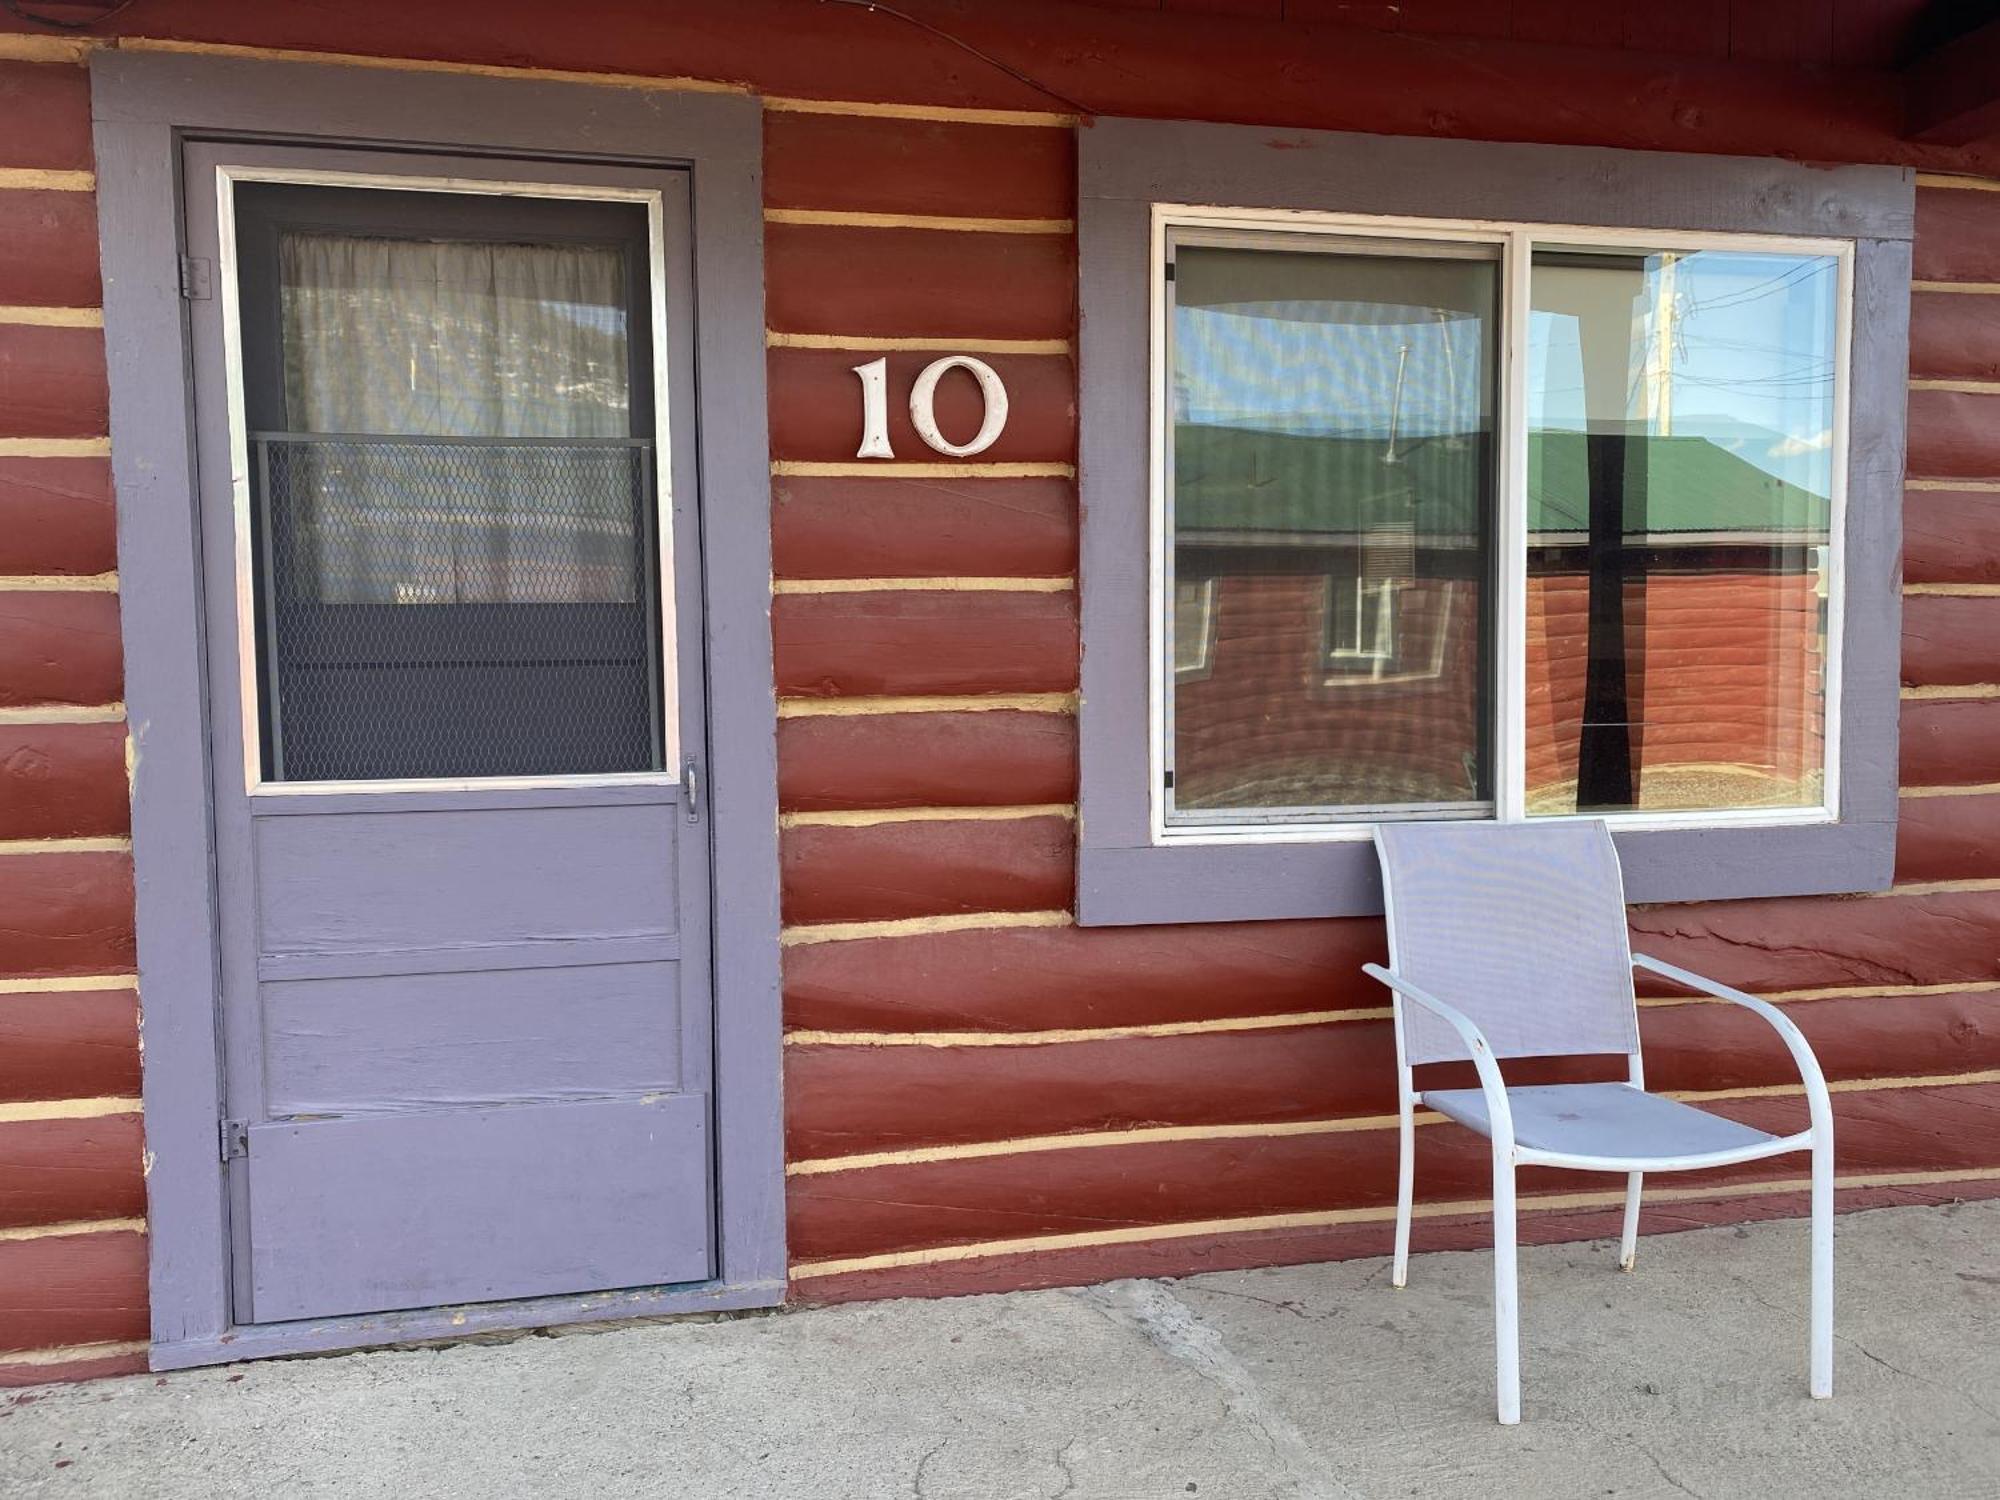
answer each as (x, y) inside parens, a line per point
(451, 583)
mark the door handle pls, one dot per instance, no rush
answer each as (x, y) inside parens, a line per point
(691, 788)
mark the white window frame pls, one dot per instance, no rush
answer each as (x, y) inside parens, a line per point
(1515, 242)
(250, 687)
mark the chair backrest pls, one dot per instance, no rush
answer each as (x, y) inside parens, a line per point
(1519, 925)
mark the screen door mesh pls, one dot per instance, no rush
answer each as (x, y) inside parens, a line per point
(456, 607)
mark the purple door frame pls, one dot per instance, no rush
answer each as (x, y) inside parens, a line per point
(145, 105)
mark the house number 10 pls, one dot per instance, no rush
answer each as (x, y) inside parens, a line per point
(923, 406)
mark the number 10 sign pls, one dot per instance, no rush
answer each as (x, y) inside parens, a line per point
(923, 406)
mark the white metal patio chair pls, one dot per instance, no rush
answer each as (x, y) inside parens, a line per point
(1509, 940)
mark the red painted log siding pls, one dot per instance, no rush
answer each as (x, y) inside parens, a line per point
(69, 1044)
(59, 646)
(989, 758)
(62, 911)
(865, 164)
(927, 868)
(65, 913)
(1950, 641)
(88, 1367)
(1950, 743)
(1954, 434)
(1709, 78)
(52, 382)
(1177, 1255)
(47, 110)
(1955, 336)
(64, 1171)
(56, 516)
(918, 283)
(887, 1209)
(51, 240)
(1034, 979)
(1665, 86)
(1952, 536)
(1958, 235)
(1948, 838)
(63, 781)
(921, 641)
(922, 528)
(845, 1100)
(66, 1289)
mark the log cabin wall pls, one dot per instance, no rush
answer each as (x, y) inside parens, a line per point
(72, 1185)
(982, 1094)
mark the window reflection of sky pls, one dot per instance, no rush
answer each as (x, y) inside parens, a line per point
(1328, 369)
(1751, 366)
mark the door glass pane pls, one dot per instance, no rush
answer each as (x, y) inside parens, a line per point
(1680, 467)
(457, 569)
(1331, 480)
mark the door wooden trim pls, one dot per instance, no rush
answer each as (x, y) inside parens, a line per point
(144, 106)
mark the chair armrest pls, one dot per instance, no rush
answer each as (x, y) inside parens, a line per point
(1498, 1112)
(1818, 1103)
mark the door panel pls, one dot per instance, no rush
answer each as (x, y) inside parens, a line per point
(484, 1037)
(367, 882)
(469, 1205)
(466, 992)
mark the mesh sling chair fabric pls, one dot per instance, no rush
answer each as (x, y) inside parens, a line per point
(1520, 927)
(1508, 941)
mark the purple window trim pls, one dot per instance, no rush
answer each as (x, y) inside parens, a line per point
(143, 105)
(1125, 166)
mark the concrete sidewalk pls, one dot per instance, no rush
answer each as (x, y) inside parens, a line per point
(1686, 1378)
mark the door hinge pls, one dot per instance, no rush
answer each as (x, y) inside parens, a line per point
(691, 788)
(235, 1139)
(197, 279)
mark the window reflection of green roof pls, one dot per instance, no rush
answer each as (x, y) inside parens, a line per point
(1242, 479)
(1234, 479)
(1692, 485)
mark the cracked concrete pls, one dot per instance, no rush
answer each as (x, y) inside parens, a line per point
(1686, 1378)
(1178, 1331)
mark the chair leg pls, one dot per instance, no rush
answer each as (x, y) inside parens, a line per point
(1822, 1266)
(1506, 1294)
(1628, 1244)
(1406, 1182)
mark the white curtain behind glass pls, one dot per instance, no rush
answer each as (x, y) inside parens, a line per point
(457, 339)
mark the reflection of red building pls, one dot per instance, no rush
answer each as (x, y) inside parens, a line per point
(1717, 666)
(1722, 671)
(1274, 712)
(1311, 674)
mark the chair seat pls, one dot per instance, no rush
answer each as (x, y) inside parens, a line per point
(1611, 1120)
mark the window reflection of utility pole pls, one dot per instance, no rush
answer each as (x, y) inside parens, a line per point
(1660, 354)
(1396, 402)
(1455, 429)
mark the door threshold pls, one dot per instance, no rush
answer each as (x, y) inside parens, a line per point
(434, 1324)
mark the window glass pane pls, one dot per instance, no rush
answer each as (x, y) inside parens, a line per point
(456, 560)
(1331, 478)
(1680, 467)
